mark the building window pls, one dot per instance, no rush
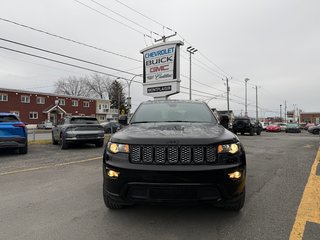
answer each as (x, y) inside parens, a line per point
(62, 102)
(74, 103)
(15, 113)
(33, 115)
(41, 100)
(86, 104)
(102, 118)
(25, 99)
(3, 97)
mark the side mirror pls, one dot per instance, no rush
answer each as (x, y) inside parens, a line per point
(123, 120)
(224, 121)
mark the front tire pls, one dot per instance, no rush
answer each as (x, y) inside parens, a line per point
(63, 143)
(316, 131)
(110, 203)
(238, 205)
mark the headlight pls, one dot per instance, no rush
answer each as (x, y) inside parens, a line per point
(228, 148)
(117, 147)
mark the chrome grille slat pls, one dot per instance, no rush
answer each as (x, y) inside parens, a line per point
(163, 154)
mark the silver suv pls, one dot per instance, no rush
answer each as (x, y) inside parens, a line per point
(77, 129)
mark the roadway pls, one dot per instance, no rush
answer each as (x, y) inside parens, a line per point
(57, 194)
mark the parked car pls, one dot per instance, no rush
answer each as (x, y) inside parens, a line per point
(283, 126)
(246, 125)
(78, 129)
(293, 128)
(110, 127)
(306, 127)
(174, 151)
(314, 129)
(273, 128)
(13, 133)
(264, 125)
(45, 125)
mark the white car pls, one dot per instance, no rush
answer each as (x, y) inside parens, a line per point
(45, 125)
(264, 125)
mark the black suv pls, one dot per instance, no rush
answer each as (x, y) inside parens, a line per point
(174, 151)
(246, 125)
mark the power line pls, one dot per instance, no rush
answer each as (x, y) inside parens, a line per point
(107, 16)
(68, 39)
(132, 9)
(66, 56)
(64, 63)
(103, 6)
(170, 29)
(202, 83)
(207, 70)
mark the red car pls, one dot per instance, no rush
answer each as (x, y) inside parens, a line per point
(273, 128)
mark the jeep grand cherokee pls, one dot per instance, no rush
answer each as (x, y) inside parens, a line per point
(174, 151)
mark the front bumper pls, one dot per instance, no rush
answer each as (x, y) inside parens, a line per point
(150, 183)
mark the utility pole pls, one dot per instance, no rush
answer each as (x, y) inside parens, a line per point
(257, 117)
(285, 111)
(246, 103)
(191, 51)
(280, 112)
(228, 91)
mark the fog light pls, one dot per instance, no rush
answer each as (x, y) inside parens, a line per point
(113, 174)
(235, 175)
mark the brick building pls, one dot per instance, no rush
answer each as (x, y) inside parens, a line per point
(36, 107)
(312, 117)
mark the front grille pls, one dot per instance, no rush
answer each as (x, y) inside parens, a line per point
(87, 136)
(184, 155)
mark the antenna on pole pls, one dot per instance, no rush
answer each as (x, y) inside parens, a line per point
(164, 38)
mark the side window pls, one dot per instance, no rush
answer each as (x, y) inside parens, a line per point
(33, 115)
(3, 97)
(74, 103)
(62, 102)
(41, 100)
(25, 99)
(86, 104)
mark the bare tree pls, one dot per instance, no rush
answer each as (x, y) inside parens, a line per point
(73, 86)
(98, 86)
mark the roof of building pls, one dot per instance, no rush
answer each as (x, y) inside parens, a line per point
(49, 94)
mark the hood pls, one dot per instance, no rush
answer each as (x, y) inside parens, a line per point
(173, 134)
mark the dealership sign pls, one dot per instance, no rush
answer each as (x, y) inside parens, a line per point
(161, 69)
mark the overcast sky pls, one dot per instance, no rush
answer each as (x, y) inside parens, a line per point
(276, 44)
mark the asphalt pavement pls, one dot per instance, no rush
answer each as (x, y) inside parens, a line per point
(57, 194)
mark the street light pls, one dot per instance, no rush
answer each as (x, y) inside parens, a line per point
(280, 112)
(191, 50)
(246, 103)
(129, 81)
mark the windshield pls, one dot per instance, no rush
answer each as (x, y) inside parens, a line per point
(84, 121)
(173, 112)
(8, 119)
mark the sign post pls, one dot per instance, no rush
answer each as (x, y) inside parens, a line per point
(161, 69)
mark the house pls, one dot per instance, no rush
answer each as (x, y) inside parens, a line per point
(36, 107)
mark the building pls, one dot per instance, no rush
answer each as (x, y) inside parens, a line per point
(36, 107)
(312, 117)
